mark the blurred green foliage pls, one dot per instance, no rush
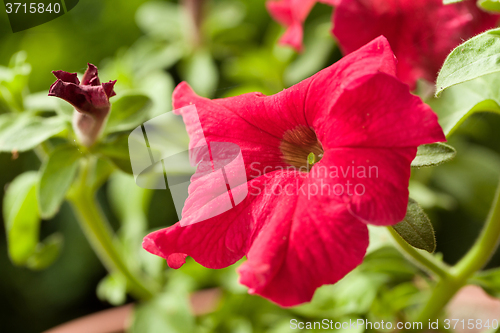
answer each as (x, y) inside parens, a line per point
(148, 47)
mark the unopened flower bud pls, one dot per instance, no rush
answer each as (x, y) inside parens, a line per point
(90, 98)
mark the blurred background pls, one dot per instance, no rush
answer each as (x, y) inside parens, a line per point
(226, 48)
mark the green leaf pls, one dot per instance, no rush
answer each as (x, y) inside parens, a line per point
(20, 213)
(14, 82)
(475, 168)
(57, 174)
(46, 253)
(161, 20)
(318, 48)
(116, 150)
(459, 102)
(158, 85)
(433, 154)
(103, 168)
(42, 102)
(490, 5)
(201, 72)
(388, 261)
(128, 200)
(113, 289)
(416, 228)
(130, 204)
(127, 112)
(21, 132)
(489, 280)
(476, 57)
(167, 312)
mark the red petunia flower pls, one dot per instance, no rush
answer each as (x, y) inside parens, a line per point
(292, 14)
(90, 99)
(302, 226)
(421, 33)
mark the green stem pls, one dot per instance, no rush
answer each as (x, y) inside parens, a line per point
(485, 246)
(441, 295)
(99, 233)
(422, 259)
(474, 260)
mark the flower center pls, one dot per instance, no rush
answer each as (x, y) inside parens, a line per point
(300, 147)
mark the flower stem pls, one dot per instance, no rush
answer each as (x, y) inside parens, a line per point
(474, 260)
(486, 244)
(422, 259)
(194, 12)
(99, 233)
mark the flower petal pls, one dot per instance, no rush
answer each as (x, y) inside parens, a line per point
(227, 120)
(422, 32)
(224, 239)
(373, 181)
(385, 116)
(108, 88)
(304, 245)
(312, 98)
(66, 77)
(293, 37)
(291, 14)
(86, 99)
(321, 90)
(90, 76)
(257, 123)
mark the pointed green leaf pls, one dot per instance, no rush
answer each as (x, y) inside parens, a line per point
(416, 228)
(20, 213)
(433, 154)
(21, 132)
(476, 57)
(490, 5)
(46, 252)
(57, 174)
(127, 112)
